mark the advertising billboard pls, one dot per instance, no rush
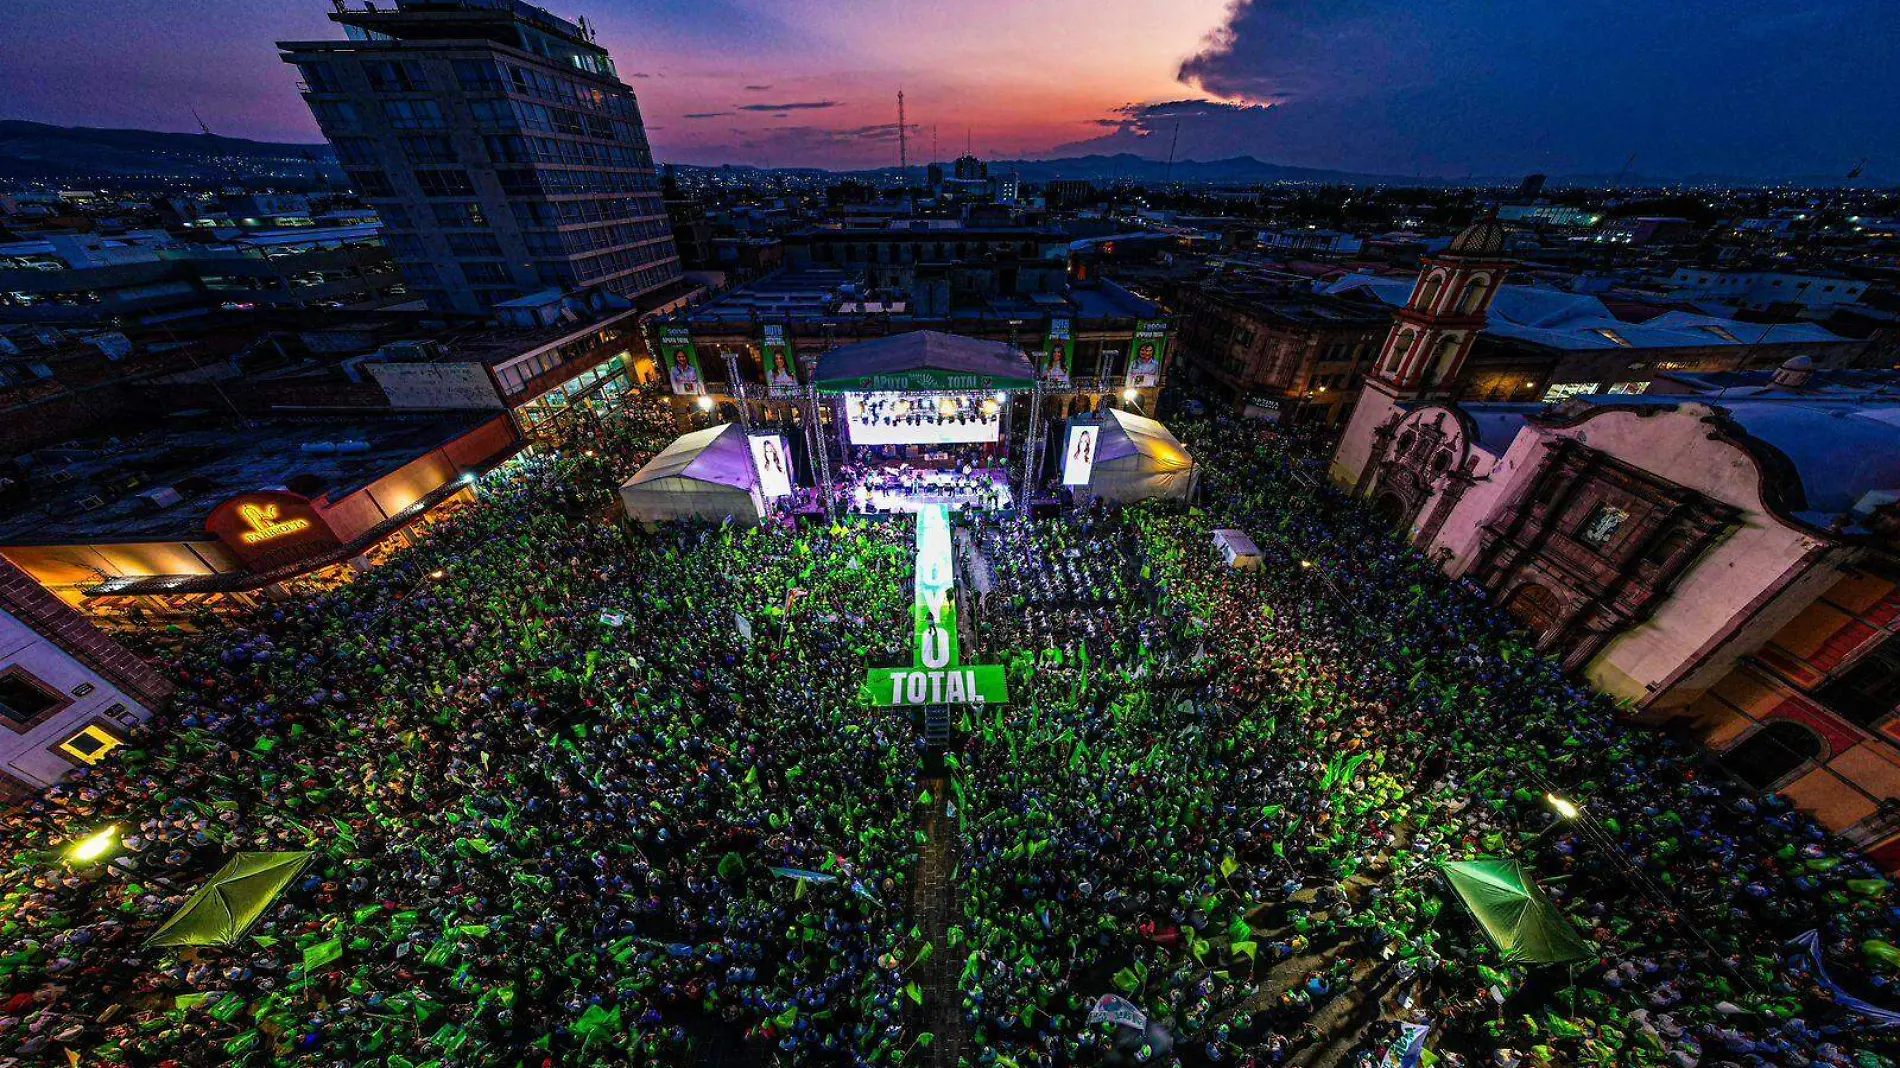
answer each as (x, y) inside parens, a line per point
(1057, 359)
(681, 361)
(781, 364)
(1149, 352)
(773, 463)
(1078, 458)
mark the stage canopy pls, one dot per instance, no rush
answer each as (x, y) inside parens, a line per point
(224, 908)
(1137, 459)
(1520, 921)
(703, 475)
(924, 361)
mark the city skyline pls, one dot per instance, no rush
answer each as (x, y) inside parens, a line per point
(1455, 90)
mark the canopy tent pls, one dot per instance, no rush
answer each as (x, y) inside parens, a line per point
(224, 908)
(707, 474)
(924, 361)
(1136, 459)
(1237, 548)
(1519, 920)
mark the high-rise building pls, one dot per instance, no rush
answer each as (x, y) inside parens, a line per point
(1531, 186)
(971, 169)
(502, 151)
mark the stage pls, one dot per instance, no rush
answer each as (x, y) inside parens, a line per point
(875, 491)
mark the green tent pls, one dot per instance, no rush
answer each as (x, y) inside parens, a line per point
(224, 908)
(1515, 915)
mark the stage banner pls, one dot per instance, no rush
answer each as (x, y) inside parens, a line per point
(1058, 354)
(1078, 459)
(781, 365)
(681, 361)
(937, 675)
(972, 684)
(1151, 349)
(772, 462)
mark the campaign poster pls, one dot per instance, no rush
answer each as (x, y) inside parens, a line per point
(773, 464)
(781, 364)
(1054, 364)
(1078, 459)
(681, 361)
(1150, 349)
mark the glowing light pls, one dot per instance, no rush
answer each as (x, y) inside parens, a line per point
(1129, 394)
(705, 404)
(265, 525)
(1564, 809)
(1306, 563)
(91, 848)
(437, 574)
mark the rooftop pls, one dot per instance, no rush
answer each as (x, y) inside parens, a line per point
(90, 490)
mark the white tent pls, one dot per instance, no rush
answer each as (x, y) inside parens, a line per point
(703, 475)
(1237, 548)
(1137, 459)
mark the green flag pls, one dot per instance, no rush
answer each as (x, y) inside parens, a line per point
(322, 953)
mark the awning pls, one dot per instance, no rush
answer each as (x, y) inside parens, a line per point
(1519, 920)
(924, 361)
(224, 908)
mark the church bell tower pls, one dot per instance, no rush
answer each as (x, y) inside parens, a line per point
(1431, 336)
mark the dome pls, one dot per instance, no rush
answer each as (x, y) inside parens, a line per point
(1482, 238)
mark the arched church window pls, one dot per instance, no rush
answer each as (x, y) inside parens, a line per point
(1405, 443)
(1771, 753)
(1401, 348)
(1441, 462)
(1473, 297)
(1428, 292)
(1442, 359)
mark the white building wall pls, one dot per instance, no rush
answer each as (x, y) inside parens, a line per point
(29, 756)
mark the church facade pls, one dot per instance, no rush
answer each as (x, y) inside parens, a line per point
(1720, 555)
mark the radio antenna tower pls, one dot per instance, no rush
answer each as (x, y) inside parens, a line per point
(201, 123)
(903, 145)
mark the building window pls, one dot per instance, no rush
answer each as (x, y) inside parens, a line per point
(413, 114)
(445, 183)
(320, 77)
(1602, 526)
(1868, 691)
(90, 745)
(1613, 337)
(428, 148)
(1772, 753)
(25, 701)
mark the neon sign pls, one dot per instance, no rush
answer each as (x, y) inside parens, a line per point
(265, 525)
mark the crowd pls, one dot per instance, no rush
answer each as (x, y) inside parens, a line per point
(582, 796)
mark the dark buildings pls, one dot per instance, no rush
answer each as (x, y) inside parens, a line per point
(497, 143)
(1277, 345)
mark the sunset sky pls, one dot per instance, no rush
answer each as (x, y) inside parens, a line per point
(1453, 88)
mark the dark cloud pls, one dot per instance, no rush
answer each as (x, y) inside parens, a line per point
(638, 75)
(757, 88)
(704, 114)
(1454, 87)
(808, 105)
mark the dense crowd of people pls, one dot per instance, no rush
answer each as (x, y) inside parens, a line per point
(576, 794)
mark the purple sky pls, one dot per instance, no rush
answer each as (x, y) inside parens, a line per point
(1449, 88)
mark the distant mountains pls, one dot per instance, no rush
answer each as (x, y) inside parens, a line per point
(79, 155)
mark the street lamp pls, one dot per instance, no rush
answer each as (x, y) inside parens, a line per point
(705, 404)
(95, 845)
(1129, 394)
(1565, 810)
(438, 574)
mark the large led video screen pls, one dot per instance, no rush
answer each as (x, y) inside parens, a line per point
(922, 418)
(1078, 459)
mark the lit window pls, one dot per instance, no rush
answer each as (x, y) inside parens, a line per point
(1614, 337)
(91, 744)
(1721, 332)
